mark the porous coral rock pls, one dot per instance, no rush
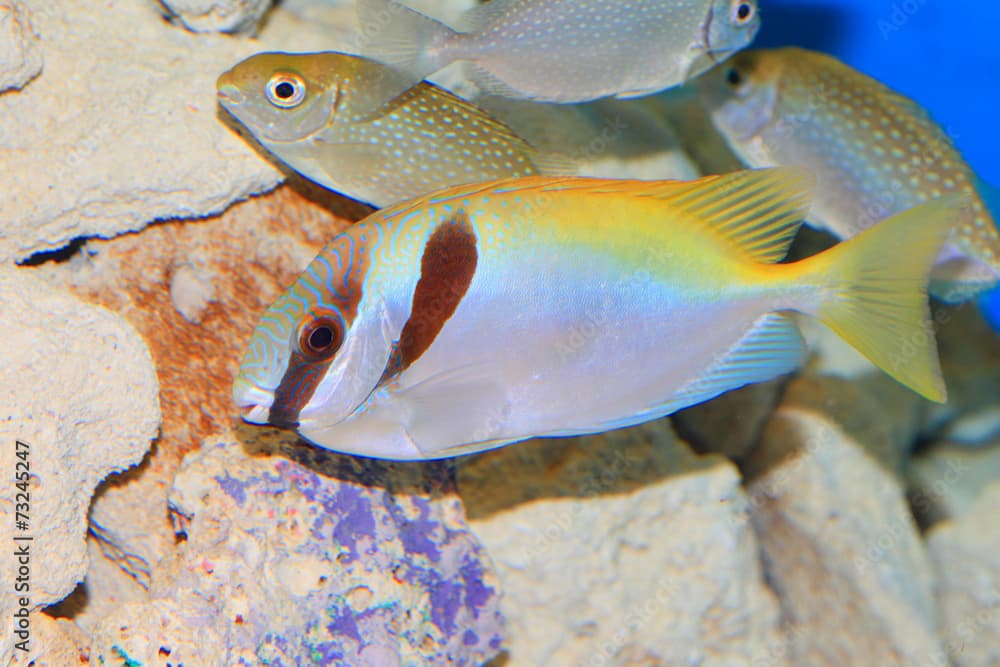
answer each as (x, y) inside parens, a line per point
(77, 386)
(965, 553)
(20, 46)
(312, 558)
(622, 549)
(124, 127)
(55, 642)
(841, 548)
(217, 15)
(247, 256)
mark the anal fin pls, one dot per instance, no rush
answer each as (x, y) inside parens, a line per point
(772, 347)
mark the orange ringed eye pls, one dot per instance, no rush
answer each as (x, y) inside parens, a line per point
(321, 338)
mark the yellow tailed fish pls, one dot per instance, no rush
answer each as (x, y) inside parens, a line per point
(316, 112)
(483, 315)
(564, 50)
(875, 152)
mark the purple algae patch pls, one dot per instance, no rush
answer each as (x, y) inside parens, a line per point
(477, 594)
(327, 653)
(355, 518)
(343, 623)
(446, 601)
(417, 535)
(233, 488)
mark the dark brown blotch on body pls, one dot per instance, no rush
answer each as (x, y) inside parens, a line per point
(446, 270)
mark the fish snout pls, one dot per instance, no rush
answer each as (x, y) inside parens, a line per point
(254, 403)
(254, 414)
(227, 93)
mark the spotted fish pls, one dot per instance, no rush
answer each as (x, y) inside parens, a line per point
(875, 152)
(564, 50)
(483, 315)
(317, 113)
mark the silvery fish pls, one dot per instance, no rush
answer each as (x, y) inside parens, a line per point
(482, 315)
(564, 50)
(316, 113)
(875, 152)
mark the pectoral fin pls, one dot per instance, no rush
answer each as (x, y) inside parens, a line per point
(457, 412)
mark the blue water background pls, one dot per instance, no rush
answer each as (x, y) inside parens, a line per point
(943, 53)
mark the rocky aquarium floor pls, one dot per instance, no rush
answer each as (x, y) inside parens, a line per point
(831, 518)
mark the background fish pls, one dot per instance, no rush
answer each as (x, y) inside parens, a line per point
(487, 314)
(316, 113)
(875, 152)
(565, 50)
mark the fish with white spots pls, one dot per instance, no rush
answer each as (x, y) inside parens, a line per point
(874, 152)
(318, 114)
(564, 50)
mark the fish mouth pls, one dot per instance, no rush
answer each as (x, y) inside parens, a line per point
(253, 402)
(228, 94)
(255, 414)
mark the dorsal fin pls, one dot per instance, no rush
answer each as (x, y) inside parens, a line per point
(759, 211)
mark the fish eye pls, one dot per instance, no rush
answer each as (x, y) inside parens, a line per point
(320, 338)
(286, 90)
(743, 13)
(733, 77)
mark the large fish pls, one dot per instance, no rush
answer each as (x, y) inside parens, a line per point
(564, 50)
(483, 315)
(317, 112)
(875, 152)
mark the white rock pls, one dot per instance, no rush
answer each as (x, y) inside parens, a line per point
(622, 549)
(124, 127)
(191, 291)
(217, 15)
(20, 46)
(77, 385)
(840, 546)
(966, 557)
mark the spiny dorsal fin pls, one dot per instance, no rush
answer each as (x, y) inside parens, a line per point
(759, 211)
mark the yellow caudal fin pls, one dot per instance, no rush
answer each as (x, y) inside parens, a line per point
(876, 298)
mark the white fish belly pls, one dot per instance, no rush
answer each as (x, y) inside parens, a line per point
(569, 350)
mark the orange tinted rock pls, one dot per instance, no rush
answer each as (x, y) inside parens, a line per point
(242, 260)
